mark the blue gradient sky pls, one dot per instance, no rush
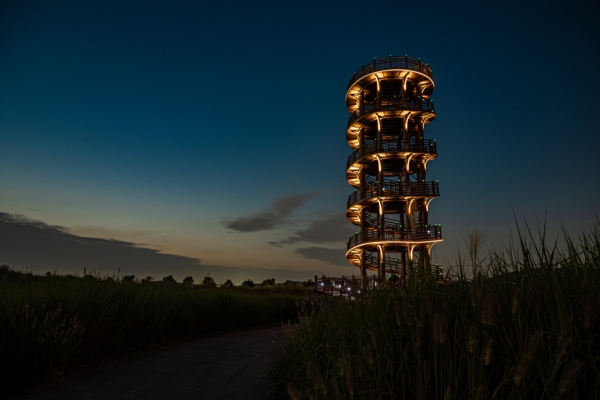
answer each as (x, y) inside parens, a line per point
(163, 123)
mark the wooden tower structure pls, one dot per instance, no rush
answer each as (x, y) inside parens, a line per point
(389, 101)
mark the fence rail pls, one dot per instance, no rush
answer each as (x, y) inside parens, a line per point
(348, 286)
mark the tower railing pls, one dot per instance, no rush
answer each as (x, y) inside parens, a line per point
(412, 146)
(392, 62)
(410, 105)
(369, 190)
(404, 234)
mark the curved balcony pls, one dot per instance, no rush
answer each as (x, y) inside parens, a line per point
(413, 146)
(384, 63)
(401, 235)
(389, 225)
(395, 104)
(369, 190)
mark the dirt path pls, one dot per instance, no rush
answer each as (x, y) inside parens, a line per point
(230, 366)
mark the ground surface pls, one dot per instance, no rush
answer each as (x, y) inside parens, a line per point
(229, 366)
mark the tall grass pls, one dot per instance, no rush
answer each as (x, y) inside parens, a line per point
(526, 327)
(50, 323)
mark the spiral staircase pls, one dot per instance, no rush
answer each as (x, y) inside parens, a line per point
(389, 104)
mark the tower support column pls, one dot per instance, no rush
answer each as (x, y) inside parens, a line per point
(381, 271)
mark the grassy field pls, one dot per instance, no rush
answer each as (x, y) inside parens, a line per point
(48, 324)
(527, 327)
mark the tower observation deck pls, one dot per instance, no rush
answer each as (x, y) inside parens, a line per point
(389, 101)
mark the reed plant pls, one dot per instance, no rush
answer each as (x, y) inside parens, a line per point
(526, 326)
(48, 324)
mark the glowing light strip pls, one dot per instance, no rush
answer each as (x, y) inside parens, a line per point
(360, 246)
(408, 71)
(409, 207)
(427, 203)
(410, 254)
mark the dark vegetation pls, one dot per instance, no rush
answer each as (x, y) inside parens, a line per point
(53, 323)
(526, 327)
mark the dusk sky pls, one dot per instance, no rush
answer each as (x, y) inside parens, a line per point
(215, 131)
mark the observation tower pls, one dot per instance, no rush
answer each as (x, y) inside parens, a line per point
(389, 104)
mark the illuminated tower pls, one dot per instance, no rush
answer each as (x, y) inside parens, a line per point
(389, 104)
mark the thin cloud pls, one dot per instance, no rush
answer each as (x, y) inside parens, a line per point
(266, 220)
(36, 244)
(331, 256)
(39, 247)
(262, 221)
(23, 220)
(327, 229)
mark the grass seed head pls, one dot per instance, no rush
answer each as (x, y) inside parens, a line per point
(408, 319)
(571, 375)
(422, 317)
(516, 300)
(589, 312)
(489, 308)
(444, 325)
(479, 393)
(313, 378)
(398, 314)
(349, 382)
(476, 289)
(472, 340)
(439, 329)
(370, 355)
(564, 347)
(503, 383)
(373, 334)
(565, 329)
(448, 394)
(526, 359)
(336, 393)
(429, 302)
(359, 367)
(489, 351)
(435, 327)
(292, 391)
(535, 297)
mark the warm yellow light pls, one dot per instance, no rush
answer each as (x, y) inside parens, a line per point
(369, 78)
(407, 162)
(427, 203)
(380, 202)
(409, 207)
(381, 252)
(357, 248)
(429, 248)
(410, 252)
